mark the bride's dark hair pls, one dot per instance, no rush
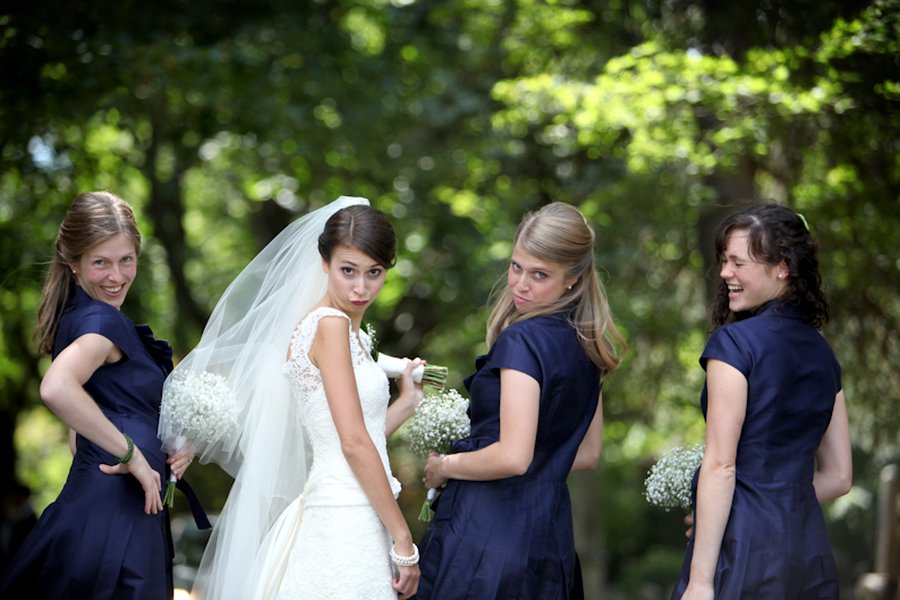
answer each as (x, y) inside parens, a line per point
(361, 227)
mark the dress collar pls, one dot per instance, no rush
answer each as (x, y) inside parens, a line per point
(77, 296)
(774, 308)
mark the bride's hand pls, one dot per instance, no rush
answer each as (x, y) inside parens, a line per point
(410, 391)
(407, 581)
(181, 460)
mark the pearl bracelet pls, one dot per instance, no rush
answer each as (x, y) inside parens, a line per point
(406, 561)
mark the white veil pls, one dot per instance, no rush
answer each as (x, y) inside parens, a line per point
(246, 342)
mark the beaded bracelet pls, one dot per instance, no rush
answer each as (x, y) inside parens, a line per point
(130, 453)
(406, 561)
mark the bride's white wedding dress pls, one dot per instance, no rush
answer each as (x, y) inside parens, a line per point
(334, 544)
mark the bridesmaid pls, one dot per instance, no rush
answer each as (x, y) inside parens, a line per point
(106, 536)
(777, 437)
(503, 524)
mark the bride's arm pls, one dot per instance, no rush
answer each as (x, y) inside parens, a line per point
(330, 352)
(407, 400)
(512, 454)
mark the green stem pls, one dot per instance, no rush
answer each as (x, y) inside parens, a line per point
(425, 512)
(435, 376)
(169, 498)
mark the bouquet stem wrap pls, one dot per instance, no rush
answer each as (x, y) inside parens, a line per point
(433, 375)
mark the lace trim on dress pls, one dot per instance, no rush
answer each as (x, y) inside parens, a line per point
(299, 369)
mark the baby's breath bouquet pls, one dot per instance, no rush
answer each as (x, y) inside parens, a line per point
(197, 407)
(433, 375)
(669, 483)
(440, 419)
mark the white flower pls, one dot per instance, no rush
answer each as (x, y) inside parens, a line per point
(669, 483)
(439, 420)
(199, 406)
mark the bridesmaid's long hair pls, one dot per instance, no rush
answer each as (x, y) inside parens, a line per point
(776, 234)
(93, 218)
(559, 233)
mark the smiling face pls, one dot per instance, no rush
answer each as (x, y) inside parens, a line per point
(535, 283)
(105, 271)
(750, 283)
(354, 279)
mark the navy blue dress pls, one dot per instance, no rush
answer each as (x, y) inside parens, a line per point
(512, 538)
(95, 541)
(775, 544)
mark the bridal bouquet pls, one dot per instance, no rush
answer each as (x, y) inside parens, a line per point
(439, 420)
(433, 375)
(669, 483)
(197, 407)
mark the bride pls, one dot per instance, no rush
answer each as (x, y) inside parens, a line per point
(286, 336)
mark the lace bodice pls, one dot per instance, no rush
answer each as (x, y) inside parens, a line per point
(331, 481)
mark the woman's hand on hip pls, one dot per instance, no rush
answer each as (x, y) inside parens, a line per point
(146, 476)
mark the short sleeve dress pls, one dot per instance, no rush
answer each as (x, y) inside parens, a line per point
(512, 537)
(95, 541)
(776, 543)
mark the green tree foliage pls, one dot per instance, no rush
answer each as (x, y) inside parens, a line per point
(790, 116)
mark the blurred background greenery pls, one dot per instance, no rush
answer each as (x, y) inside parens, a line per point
(221, 121)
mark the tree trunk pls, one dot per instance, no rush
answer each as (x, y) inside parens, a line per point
(166, 210)
(734, 190)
